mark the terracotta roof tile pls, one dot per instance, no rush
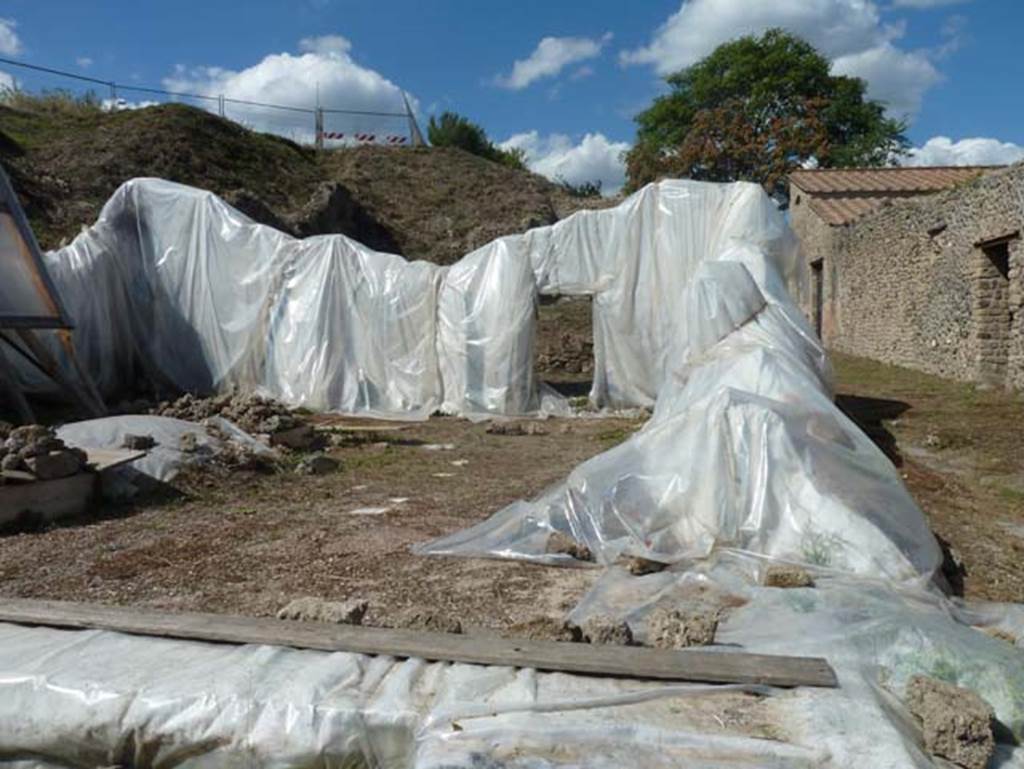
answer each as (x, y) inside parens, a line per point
(843, 210)
(842, 195)
(896, 179)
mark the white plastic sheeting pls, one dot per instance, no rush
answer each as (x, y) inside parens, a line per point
(166, 458)
(745, 449)
(744, 460)
(173, 286)
(88, 698)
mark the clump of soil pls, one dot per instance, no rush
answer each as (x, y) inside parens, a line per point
(680, 627)
(512, 427)
(787, 576)
(427, 619)
(311, 609)
(318, 464)
(546, 629)
(606, 630)
(570, 352)
(253, 413)
(638, 567)
(956, 722)
(560, 543)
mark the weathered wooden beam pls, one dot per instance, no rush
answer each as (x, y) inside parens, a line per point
(619, 661)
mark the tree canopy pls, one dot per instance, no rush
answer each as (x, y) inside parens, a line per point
(454, 130)
(755, 109)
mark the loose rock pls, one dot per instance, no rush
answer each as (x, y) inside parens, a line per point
(55, 464)
(310, 609)
(678, 628)
(300, 437)
(319, 464)
(38, 450)
(138, 442)
(504, 427)
(188, 442)
(786, 575)
(956, 722)
(426, 619)
(560, 543)
(606, 630)
(641, 566)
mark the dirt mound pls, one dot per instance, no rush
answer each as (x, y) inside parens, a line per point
(424, 203)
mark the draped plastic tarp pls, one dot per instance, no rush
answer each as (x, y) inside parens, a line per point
(744, 461)
(174, 287)
(745, 449)
(81, 699)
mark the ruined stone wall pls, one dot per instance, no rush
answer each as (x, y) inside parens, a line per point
(935, 283)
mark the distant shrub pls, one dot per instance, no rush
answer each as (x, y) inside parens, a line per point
(52, 102)
(455, 130)
(580, 190)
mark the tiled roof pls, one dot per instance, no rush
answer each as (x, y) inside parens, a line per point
(842, 195)
(897, 179)
(843, 210)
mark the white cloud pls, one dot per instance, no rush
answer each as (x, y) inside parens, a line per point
(7, 82)
(292, 80)
(550, 57)
(943, 151)
(10, 44)
(325, 45)
(925, 3)
(896, 78)
(555, 156)
(84, 62)
(119, 105)
(849, 32)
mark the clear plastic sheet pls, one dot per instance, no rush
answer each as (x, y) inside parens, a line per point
(89, 698)
(166, 459)
(745, 461)
(174, 287)
(745, 448)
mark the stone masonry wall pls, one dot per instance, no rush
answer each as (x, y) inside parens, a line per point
(919, 283)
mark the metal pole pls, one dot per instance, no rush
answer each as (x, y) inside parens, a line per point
(113, 92)
(319, 128)
(220, 105)
(414, 129)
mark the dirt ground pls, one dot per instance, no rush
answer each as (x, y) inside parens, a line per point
(960, 450)
(248, 543)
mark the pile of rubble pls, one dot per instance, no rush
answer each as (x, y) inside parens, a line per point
(36, 451)
(253, 413)
(570, 353)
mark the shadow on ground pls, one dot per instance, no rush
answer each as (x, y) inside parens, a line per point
(870, 415)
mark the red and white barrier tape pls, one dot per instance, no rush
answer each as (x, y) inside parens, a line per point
(365, 138)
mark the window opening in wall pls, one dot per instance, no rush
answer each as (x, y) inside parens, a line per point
(993, 318)
(818, 293)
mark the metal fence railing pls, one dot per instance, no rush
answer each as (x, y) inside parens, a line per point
(313, 124)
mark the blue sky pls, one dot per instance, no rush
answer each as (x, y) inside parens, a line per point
(562, 80)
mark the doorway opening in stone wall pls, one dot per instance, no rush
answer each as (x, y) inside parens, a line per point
(818, 293)
(564, 352)
(992, 316)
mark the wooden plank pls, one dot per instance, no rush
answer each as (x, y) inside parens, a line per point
(104, 459)
(619, 661)
(49, 499)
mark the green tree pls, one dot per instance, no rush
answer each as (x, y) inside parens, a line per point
(454, 130)
(756, 108)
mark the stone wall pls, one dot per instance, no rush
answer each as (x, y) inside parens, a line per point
(933, 283)
(817, 241)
